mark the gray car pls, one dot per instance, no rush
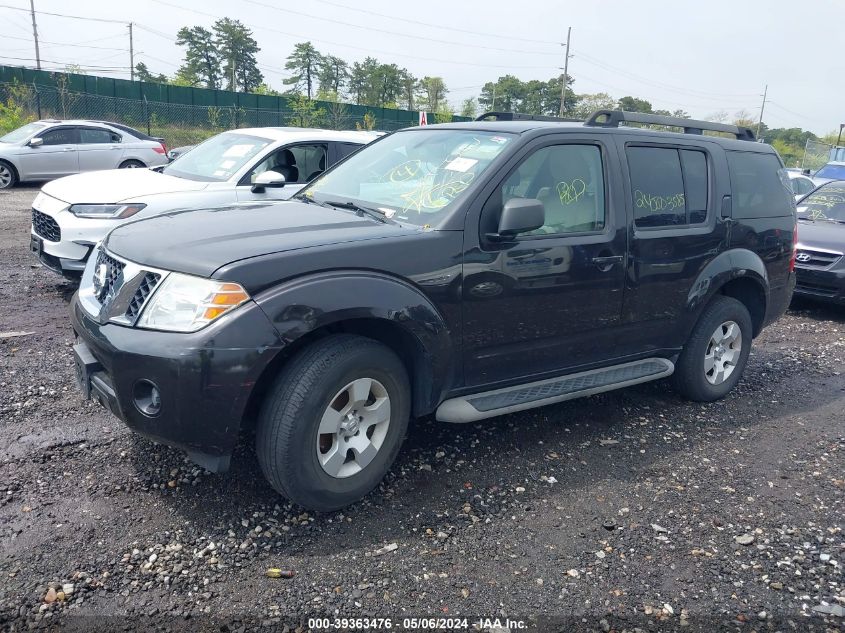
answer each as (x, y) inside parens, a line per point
(49, 149)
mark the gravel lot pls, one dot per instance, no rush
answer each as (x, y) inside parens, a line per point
(624, 510)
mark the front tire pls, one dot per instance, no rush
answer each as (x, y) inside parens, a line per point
(333, 422)
(8, 175)
(716, 353)
(131, 164)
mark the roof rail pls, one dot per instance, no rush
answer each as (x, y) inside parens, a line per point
(612, 118)
(518, 116)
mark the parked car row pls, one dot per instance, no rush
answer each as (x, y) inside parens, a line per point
(72, 214)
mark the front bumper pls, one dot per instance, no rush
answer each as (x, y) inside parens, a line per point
(68, 255)
(205, 378)
(821, 285)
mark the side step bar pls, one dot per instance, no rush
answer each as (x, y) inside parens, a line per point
(537, 394)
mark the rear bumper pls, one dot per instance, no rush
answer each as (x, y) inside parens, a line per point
(204, 379)
(821, 285)
(779, 300)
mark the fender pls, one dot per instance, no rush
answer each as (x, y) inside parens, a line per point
(309, 303)
(729, 265)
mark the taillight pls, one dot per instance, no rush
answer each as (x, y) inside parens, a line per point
(161, 149)
(794, 248)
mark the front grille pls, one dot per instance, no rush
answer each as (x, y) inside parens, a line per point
(46, 227)
(148, 283)
(107, 272)
(809, 258)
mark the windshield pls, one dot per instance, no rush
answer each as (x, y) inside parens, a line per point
(826, 203)
(414, 175)
(834, 172)
(218, 158)
(22, 133)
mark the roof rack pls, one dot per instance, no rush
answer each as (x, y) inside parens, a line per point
(612, 118)
(518, 116)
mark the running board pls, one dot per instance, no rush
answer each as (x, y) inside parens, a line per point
(537, 394)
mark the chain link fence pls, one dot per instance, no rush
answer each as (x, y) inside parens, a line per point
(181, 124)
(816, 154)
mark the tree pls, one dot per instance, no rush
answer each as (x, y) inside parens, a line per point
(202, 57)
(305, 112)
(409, 88)
(333, 73)
(502, 95)
(586, 104)
(360, 80)
(142, 73)
(469, 107)
(264, 89)
(304, 63)
(237, 48)
(386, 86)
(432, 93)
(632, 104)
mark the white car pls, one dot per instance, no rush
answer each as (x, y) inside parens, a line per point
(72, 214)
(834, 170)
(49, 149)
(800, 182)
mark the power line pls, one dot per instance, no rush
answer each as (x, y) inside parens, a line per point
(29, 39)
(439, 26)
(288, 10)
(64, 15)
(687, 91)
(361, 48)
(65, 63)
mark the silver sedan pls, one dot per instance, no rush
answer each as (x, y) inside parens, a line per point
(49, 149)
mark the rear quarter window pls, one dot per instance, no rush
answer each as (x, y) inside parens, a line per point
(757, 189)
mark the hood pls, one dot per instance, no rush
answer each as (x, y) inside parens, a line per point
(198, 242)
(828, 236)
(117, 185)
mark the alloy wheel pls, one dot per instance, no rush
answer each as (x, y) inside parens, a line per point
(723, 352)
(353, 428)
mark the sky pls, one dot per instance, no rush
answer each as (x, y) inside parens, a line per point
(702, 57)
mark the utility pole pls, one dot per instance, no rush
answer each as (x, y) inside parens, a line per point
(35, 34)
(762, 107)
(131, 55)
(565, 71)
(234, 86)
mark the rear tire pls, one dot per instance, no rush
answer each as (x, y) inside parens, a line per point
(131, 164)
(8, 175)
(716, 352)
(354, 385)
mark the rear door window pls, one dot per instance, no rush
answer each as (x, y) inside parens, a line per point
(89, 135)
(759, 187)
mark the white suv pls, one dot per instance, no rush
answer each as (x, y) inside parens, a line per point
(72, 214)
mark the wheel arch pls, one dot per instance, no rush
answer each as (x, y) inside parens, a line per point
(13, 167)
(736, 273)
(388, 310)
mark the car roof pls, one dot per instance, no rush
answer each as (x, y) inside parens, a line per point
(834, 162)
(306, 134)
(527, 126)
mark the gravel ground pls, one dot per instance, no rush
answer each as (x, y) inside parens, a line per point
(624, 510)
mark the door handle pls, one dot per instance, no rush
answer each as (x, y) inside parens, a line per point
(605, 262)
(70, 149)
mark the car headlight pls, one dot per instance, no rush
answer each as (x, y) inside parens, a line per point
(107, 211)
(186, 304)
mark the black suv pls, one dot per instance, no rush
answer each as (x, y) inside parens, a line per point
(463, 270)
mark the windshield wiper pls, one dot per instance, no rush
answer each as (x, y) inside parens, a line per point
(376, 214)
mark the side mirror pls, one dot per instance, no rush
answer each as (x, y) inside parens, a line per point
(36, 141)
(519, 215)
(267, 179)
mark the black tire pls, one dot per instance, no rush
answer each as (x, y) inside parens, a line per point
(8, 175)
(131, 164)
(287, 438)
(690, 379)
